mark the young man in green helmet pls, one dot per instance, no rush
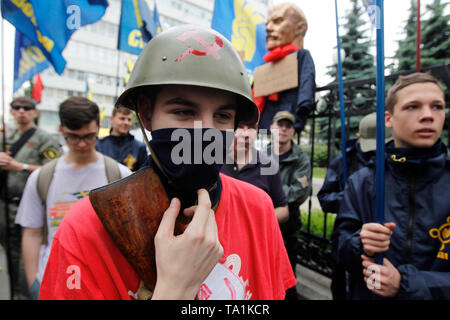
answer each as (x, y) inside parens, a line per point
(186, 77)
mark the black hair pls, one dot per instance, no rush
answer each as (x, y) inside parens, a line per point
(76, 112)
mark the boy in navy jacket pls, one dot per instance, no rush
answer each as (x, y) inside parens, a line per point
(414, 239)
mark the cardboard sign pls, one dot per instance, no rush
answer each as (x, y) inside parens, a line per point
(276, 76)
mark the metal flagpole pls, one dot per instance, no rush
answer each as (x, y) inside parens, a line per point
(419, 38)
(380, 156)
(4, 174)
(341, 98)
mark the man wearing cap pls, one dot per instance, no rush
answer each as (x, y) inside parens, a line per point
(28, 148)
(188, 82)
(360, 152)
(295, 170)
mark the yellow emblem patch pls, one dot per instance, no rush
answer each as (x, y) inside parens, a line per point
(51, 153)
(129, 161)
(304, 181)
(443, 234)
(394, 158)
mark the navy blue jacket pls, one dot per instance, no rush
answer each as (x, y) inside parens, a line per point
(332, 190)
(124, 149)
(300, 100)
(417, 199)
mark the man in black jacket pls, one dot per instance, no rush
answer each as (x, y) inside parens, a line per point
(295, 170)
(417, 207)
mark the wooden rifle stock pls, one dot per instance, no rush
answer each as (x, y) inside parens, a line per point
(131, 210)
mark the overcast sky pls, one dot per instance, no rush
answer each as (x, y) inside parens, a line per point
(320, 38)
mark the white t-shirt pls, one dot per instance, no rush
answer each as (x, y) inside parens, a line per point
(67, 186)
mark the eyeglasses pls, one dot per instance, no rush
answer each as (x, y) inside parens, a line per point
(25, 108)
(75, 139)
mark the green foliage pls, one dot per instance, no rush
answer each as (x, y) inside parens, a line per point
(317, 222)
(436, 35)
(319, 172)
(358, 62)
(406, 52)
(320, 154)
(435, 38)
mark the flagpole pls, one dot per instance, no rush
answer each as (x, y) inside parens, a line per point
(419, 38)
(4, 178)
(341, 98)
(380, 154)
(116, 94)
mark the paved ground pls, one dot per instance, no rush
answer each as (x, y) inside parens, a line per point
(4, 278)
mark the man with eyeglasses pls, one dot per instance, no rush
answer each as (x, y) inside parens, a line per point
(27, 148)
(75, 174)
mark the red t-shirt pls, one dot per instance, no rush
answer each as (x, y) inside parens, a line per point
(86, 264)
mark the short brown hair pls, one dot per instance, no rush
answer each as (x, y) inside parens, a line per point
(123, 110)
(76, 112)
(24, 100)
(404, 81)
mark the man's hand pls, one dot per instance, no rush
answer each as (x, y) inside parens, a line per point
(383, 280)
(183, 262)
(376, 238)
(8, 163)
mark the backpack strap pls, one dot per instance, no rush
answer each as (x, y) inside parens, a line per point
(45, 177)
(111, 169)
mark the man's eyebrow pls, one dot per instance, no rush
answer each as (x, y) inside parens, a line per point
(230, 106)
(192, 104)
(182, 101)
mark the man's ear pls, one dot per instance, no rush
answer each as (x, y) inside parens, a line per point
(144, 110)
(59, 128)
(300, 29)
(387, 119)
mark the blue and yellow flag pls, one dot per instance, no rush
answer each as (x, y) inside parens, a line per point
(28, 60)
(138, 25)
(237, 21)
(87, 91)
(49, 24)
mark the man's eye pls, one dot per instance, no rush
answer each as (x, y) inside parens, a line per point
(411, 107)
(438, 107)
(224, 116)
(184, 112)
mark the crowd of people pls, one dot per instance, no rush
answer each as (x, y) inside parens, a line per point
(230, 228)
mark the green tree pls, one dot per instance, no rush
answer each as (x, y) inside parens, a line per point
(406, 52)
(436, 35)
(358, 62)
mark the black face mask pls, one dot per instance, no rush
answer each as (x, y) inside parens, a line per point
(191, 159)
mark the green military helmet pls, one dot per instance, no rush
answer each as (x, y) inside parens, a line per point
(191, 55)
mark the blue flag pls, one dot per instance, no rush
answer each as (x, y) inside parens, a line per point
(138, 25)
(28, 60)
(244, 27)
(373, 11)
(50, 24)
